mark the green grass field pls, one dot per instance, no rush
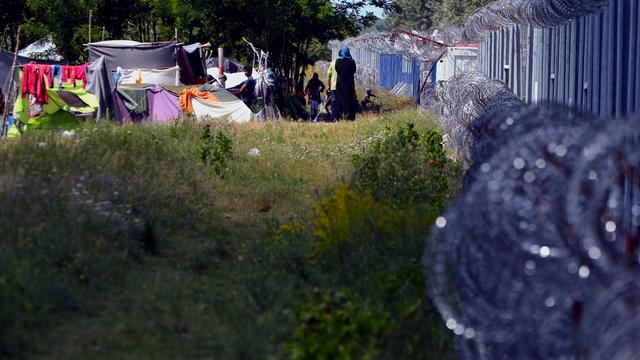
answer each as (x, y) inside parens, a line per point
(152, 242)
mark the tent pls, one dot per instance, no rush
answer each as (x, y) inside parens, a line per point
(170, 76)
(43, 49)
(146, 64)
(225, 105)
(157, 104)
(134, 55)
(63, 110)
(148, 103)
(233, 79)
(230, 66)
(157, 56)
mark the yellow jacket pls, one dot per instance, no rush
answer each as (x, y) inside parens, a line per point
(332, 76)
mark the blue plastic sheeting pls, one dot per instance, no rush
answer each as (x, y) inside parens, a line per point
(395, 69)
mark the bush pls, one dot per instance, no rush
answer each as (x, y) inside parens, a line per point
(214, 151)
(339, 326)
(368, 237)
(406, 167)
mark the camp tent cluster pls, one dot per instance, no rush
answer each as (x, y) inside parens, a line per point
(123, 81)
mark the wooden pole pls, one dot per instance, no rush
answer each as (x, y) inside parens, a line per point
(9, 80)
(102, 34)
(90, 18)
(175, 34)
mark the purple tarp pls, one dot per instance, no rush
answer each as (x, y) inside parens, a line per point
(163, 105)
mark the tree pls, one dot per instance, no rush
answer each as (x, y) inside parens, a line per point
(293, 31)
(414, 14)
(425, 14)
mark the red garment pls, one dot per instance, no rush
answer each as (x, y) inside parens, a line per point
(46, 71)
(69, 74)
(33, 81)
(81, 74)
(28, 79)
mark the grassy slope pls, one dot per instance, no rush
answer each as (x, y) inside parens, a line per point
(200, 289)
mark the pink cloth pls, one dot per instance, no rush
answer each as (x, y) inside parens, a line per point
(33, 76)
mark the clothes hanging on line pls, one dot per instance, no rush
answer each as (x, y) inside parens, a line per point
(56, 73)
(33, 81)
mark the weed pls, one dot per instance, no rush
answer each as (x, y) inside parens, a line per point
(339, 326)
(215, 151)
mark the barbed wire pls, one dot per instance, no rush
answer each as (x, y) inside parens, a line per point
(526, 262)
(538, 13)
(412, 44)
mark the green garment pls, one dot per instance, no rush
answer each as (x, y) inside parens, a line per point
(134, 99)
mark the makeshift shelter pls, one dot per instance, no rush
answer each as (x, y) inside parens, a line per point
(134, 55)
(230, 66)
(222, 105)
(125, 81)
(233, 79)
(62, 111)
(6, 60)
(150, 103)
(149, 66)
(43, 49)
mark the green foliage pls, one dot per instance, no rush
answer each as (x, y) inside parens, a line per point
(292, 31)
(82, 221)
(151, 257)
(368, 236)
(425, 14)
(406, 167)
(214, 151)
(413, 14)
(339, 326)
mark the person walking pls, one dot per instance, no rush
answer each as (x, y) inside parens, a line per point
(313, 90)
(346, 86)
(332, 81)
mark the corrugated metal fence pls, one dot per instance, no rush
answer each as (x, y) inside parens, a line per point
(592, 62)
(385, 70)
(395, 69)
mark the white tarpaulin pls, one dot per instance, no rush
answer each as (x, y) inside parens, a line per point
(43, 49)
(233, 79)
(235, 111)
(169, 76)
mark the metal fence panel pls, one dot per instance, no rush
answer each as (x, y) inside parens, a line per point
(395, 69)
(593, 62)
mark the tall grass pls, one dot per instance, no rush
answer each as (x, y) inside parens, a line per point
(122, 242)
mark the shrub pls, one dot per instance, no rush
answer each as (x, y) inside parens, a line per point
(369, 236)
(214, 151)
(339, 326)
(406, 167)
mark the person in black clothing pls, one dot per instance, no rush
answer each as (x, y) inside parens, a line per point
(313, 90)
(299, 90)
(346, 86)
(248, 88)
(367, 99)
